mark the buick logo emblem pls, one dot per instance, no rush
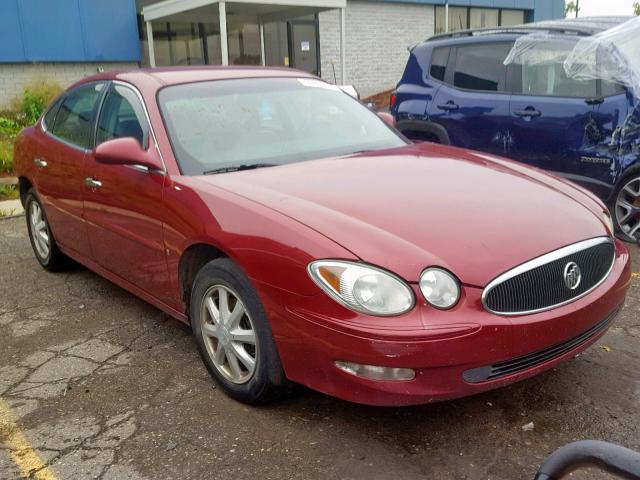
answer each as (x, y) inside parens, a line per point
(572, 275)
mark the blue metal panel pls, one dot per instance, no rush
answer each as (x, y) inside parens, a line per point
(11, 46)
(525, 4)
(51, 30)
(68, 31)
(110, 30)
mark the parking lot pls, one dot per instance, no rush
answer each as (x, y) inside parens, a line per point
(95, 383)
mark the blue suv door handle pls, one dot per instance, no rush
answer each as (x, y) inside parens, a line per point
(449, 106)
(528, 112)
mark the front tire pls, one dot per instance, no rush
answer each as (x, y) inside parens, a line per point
(626, 207)
(43, 243)
(234, 336)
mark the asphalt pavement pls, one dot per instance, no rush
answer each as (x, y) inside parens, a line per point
(95, 383)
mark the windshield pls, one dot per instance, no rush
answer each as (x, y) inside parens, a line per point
(219, 126)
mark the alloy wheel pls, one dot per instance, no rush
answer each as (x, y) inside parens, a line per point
(228, 334)
(628, 209)
(39, 231)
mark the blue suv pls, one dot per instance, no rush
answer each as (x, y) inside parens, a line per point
(457, 90)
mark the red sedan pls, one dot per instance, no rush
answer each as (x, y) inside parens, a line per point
(306, 241)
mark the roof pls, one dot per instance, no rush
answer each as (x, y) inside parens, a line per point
(187, 74)
(586, 26)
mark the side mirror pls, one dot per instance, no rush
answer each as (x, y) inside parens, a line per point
(388, 119)
(125, 151)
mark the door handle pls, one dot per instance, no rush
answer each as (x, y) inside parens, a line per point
(449, 107)
(594, 100)
(92, 182)
(40, 163)
(528, 112)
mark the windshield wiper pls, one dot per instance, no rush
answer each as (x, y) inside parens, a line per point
(237, 168)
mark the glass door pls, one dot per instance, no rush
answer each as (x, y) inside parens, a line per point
(303, 36)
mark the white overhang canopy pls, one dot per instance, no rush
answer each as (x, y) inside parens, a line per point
(271, 10)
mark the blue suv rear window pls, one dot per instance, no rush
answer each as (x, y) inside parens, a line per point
(439, 60)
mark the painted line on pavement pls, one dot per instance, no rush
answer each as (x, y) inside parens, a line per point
(19, 449)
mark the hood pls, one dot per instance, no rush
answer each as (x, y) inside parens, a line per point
(422, 205)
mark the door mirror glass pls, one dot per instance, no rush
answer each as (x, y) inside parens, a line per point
(125, 151)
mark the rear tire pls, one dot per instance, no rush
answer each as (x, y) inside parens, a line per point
(43, 243)
(234, 336)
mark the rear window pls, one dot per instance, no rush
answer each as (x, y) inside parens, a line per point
(75, 115)
(50, 116)
(481, 67)
(439, 60)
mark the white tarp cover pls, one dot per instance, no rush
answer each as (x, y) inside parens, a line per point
(612, 55)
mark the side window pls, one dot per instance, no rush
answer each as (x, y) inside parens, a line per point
(610, 88)
(121, 116)
(439, 59)
(480, 67)
(50, 116)
(550, 79)
(74, 118)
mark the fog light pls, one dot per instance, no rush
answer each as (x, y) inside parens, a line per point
(373, 372)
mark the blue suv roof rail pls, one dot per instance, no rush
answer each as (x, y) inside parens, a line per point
(585, 26)
(516, 30)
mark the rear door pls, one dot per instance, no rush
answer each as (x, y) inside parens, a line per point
(123, 203)
(562, 124)
(473, 102)
(61, 164)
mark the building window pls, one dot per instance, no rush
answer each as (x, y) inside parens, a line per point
(483, 17)
(462, 18)
(512, 17)
(458, 19)
(293, 42)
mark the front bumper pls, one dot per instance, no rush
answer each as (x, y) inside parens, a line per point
(441, 346)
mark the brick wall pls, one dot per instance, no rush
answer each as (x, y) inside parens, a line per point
(378, 34)
(14, 76)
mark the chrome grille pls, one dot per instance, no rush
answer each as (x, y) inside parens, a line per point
(541, 284)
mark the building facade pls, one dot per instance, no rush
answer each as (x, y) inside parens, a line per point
(65, 40)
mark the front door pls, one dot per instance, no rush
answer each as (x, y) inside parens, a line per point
(123, 204)
(304, 45)
(473, 102)
(566, 125)
(60, 180)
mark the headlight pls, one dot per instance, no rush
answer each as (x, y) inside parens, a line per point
(608, 221)
(362, 288)
(440, 288)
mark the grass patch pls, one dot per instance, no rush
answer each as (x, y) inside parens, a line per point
(7, 213)
(25, 111)
(6, 155)
(9, 192)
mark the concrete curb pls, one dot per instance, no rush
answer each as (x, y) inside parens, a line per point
(11, 208)
(8, 181)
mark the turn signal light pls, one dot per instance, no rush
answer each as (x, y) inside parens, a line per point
(373, 372)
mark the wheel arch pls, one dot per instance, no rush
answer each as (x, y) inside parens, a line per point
(192, 259)
(429, 128)
(24, 185)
